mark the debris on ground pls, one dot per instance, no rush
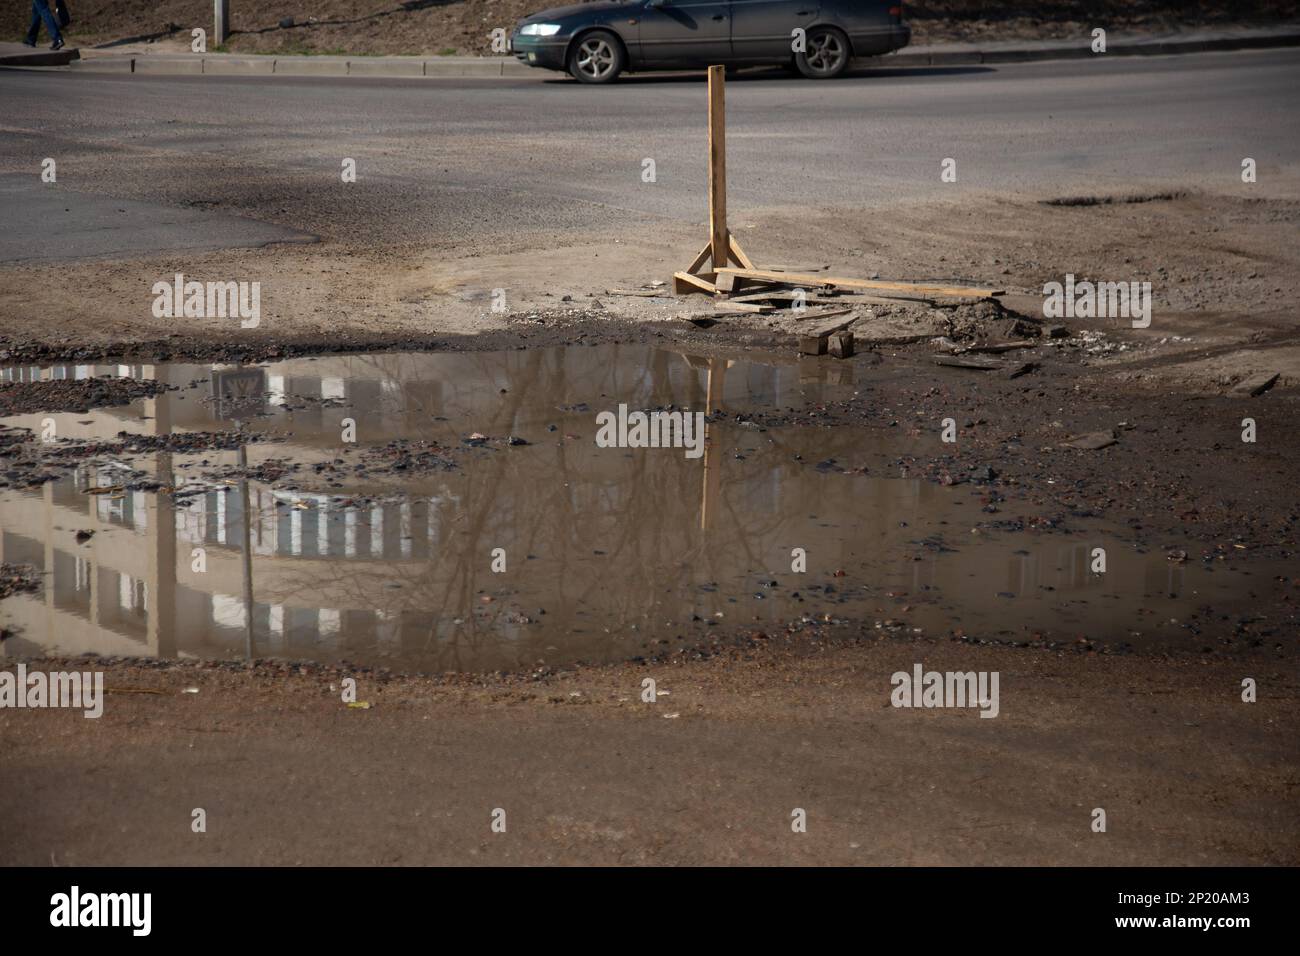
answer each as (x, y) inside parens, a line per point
(1257, 384)
(1092, 441)
(18, 578)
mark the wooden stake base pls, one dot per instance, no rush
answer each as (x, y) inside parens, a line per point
(696, 278)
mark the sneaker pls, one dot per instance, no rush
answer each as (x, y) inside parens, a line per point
(56, 45)
(30, 43)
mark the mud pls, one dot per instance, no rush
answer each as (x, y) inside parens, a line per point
(71, 395)
(16, 578)
(378, 546)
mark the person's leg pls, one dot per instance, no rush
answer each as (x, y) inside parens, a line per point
(51, 24)
(35, 28)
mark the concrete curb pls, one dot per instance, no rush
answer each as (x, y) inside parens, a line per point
(225, 64)
(40, 57)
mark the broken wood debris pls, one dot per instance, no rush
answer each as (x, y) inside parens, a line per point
(979, 364)
(723, 270)
(1092, 441)
(821, 314)
(840, 344)
(725, 305)
(814, 341)
(1257, 384)
(807, 279)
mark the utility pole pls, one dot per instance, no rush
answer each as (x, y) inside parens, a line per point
(221, 29)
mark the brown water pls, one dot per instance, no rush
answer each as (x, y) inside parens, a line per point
(610, 553)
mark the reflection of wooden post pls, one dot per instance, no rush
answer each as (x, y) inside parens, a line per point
(718, 166)
(712, 469)
(248, 552)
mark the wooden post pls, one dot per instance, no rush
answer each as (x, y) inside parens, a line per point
(722, 246)
(221, 27)
(718, 236)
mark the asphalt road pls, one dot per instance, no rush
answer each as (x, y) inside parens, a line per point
(440, 160)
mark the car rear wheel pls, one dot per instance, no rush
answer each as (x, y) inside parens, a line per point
(597, 57)
(826, 54)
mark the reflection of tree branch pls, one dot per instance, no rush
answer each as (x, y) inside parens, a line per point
(545, 499)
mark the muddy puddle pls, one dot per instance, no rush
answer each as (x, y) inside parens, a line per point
(387, 550)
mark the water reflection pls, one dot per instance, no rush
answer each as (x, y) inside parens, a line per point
(610, 553)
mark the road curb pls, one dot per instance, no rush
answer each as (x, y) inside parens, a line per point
(229, 65)
(41, 58)
(1082, 49)
(224, 64)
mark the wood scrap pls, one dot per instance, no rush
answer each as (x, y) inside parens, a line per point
(726, 305)
(1255, 385)
(685, 283)
(998, 347)
(797, 278)
(788, 295)
(840, 344)
(1092, 441)
(978, 364)
(814, 340)
(820, 314)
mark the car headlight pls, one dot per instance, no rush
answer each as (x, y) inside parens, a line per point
(539, 29)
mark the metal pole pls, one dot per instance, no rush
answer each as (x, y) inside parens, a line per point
(221, 14)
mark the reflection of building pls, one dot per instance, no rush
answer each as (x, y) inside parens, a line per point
(611, 543)
(103, 596)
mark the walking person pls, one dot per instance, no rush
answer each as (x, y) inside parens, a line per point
(41, 12)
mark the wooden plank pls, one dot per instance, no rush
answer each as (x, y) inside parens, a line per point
(684, 283)
(775, 295)
(726, 305)
(796, 278)
(840, 344)
(738, 254)
(822, 314)
(1257, 384)
(725, 283)
(785, 295)
(978, 364)
(995, 348)
(813, 341)
(698, 262)
(718, 237)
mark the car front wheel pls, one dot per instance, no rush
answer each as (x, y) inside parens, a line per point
(597, 57)
(826, 54)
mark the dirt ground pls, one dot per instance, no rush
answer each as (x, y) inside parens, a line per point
(1222, 271)
(446, 27)
(710, 773)
(1187, 772)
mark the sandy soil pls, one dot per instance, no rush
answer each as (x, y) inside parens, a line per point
(709, 774)
(1187, 772)
(1222, 270)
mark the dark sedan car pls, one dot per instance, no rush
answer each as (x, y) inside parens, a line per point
(595, 42)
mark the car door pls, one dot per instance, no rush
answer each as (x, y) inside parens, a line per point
(685, 32)
(762, 29)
